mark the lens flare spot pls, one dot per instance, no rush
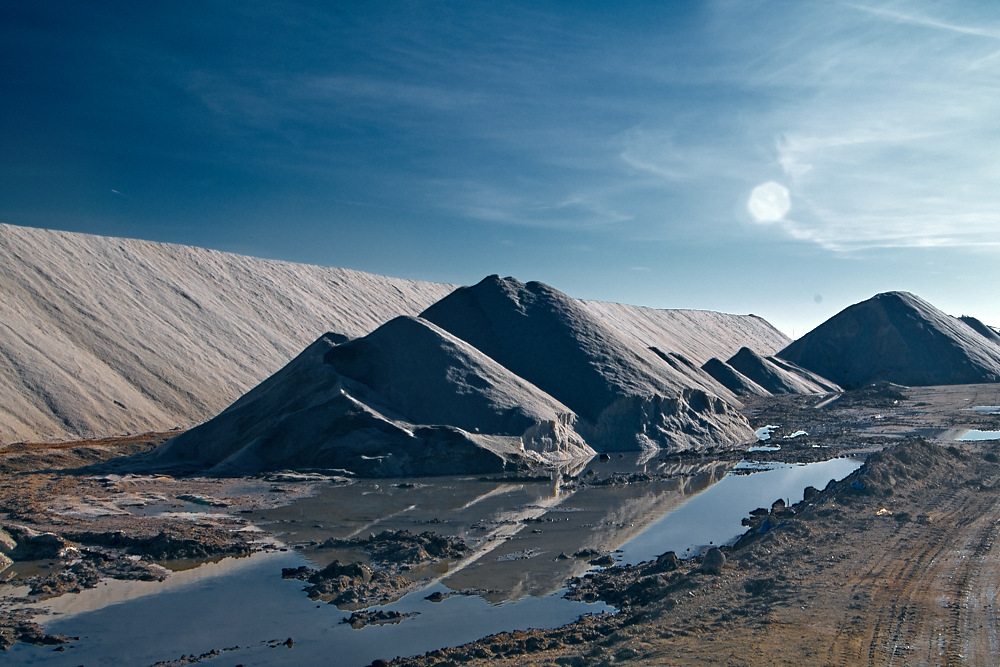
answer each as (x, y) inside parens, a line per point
(769, 202)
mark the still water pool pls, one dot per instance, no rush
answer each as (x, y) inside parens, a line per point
(518, 531)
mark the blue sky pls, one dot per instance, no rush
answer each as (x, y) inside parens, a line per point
(776, 157)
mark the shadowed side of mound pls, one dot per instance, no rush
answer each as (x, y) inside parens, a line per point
(626, 396)
(896, 337)
(408, 399)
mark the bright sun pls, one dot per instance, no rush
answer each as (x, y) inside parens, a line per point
(769, 202)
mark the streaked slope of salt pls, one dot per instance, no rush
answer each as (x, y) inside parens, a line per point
(737, 382)
(982, 328)
(697, 334)
(778, 376)
(104, 335)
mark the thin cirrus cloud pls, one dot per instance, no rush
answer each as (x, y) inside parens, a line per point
(896, 148)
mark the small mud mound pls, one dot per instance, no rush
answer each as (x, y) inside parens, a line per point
(913, 460)
(169, 544)
(361, 619)
(876, 395)
(350, 584)
(401, 547)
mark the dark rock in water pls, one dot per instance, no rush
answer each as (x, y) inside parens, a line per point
(810, 493)
(896, 337)
(603, 561)
(360, 619)
(713, 561)
(351, 583)
(626, 398)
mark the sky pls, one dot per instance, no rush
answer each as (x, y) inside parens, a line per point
(774, 157)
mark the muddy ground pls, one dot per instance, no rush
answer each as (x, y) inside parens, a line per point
(897, 563)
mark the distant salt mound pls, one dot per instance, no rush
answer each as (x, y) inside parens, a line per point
(699, 335)
(695, 376)
(407, 399)
(988, 332)
(625, 396)
(732, 379)
(777, 376)
(896, 337)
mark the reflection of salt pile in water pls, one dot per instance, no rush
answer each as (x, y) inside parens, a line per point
(592, 518)
(896, 337)
(407, 399)
(626, 397)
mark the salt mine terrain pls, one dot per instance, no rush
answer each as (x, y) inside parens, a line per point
(206, 457)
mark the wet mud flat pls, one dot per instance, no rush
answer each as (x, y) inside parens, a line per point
(510, 539)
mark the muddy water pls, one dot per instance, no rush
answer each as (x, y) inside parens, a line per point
(520, 533)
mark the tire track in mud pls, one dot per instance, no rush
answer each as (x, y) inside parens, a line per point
(900, 623)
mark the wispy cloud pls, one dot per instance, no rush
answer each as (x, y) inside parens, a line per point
(918, 19)
(888, 140)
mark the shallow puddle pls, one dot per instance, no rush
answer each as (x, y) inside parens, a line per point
(522, 537)
(976, 434)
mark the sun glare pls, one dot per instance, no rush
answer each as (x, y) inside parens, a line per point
(769, 202)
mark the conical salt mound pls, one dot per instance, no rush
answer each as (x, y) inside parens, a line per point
(409, 398)
(777, 376)
(896, 337)
(626, 397)
(732, 379)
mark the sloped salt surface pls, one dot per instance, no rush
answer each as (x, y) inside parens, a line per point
(728, 376)
(896, 337)
(981, 329)
(778, 377)
(104, 335)
(625, 396)
(409, 398)
(699, 335)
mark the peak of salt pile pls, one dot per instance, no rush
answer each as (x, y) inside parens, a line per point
(625, 396)
(731, 378)
(896, 337)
